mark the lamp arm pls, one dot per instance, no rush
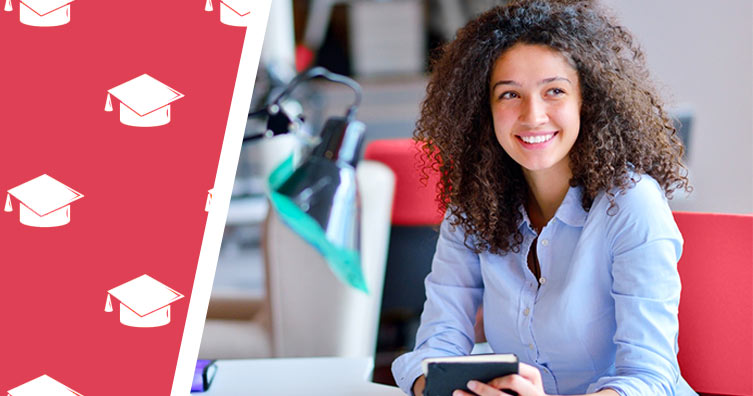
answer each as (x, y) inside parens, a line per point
(328, 75)
(279, 122)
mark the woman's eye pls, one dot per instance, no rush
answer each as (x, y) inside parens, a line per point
(556, 92)
(508, 95)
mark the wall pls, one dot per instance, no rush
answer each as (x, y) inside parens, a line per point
(700, 52)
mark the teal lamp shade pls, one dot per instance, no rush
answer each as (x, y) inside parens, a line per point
(319, 198)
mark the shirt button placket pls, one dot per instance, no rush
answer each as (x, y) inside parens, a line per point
(543, 242)
(527, 318)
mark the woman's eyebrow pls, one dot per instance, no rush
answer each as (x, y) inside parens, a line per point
(505, 82)
(542, 82)
(551, 79)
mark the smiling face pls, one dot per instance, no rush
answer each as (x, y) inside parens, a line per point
(535, 102)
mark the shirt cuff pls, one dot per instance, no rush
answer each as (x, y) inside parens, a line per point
(597, 388)
(406, 369)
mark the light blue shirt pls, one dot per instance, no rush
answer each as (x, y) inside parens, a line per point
(605, 315)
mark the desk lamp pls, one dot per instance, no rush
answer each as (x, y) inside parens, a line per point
(317, 197)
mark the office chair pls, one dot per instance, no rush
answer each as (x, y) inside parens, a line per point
(413, 238)
(415, 218)
(716, 304)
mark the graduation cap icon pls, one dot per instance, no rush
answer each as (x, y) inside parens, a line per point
(144, 101)
(232, 12)
(210, 193)
(44, 202)
(43, 386)
(42, 13)
(144, 302)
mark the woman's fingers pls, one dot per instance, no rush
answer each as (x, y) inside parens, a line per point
(517, 383)
(530, 373)
(481, 389)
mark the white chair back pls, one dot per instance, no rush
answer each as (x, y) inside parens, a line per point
(312, 312)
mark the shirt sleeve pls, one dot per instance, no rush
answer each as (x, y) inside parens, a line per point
(453, 293)
(646, 246)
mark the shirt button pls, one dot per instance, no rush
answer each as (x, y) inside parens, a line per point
(542, 280)
(526, 311)
(544, 242)
(530, 346)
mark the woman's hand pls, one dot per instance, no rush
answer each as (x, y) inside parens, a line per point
(419, 385)
(526, 383)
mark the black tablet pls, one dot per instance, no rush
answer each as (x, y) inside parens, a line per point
(445, 374)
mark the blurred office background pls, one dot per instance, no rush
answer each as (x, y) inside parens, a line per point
(700, 57)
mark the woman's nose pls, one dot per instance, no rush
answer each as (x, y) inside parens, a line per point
(533, 112)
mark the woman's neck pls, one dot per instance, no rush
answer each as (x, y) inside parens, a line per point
(546, 191)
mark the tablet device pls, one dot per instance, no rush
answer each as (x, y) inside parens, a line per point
(445, 374)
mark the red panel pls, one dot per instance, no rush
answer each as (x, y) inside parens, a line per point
(415, 201)
(144, 188)
(716, 305)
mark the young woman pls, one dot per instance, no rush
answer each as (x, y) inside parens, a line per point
(556, 159)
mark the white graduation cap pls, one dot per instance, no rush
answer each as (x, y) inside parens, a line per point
(43, 386)
(210, 193)
(144, 101)
(45, 202)
(144, 302)
(43, 13)
(232, 12)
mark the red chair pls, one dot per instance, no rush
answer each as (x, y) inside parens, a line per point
(716, 304)
(413, 238)
(415, 203)
(416, 216)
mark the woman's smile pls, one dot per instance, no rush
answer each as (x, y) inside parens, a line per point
(536, 141)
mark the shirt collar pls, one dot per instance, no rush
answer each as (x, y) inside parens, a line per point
(570, 212)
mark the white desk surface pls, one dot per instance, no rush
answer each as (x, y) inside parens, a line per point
(297, 377)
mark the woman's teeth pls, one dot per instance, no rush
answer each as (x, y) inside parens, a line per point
(536, 139)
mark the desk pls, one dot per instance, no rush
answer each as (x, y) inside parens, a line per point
(331, 376)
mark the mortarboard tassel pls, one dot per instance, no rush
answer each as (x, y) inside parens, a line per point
(8, 207)
(8, 6)
(108, 104)
(108, 304)
(207, 8)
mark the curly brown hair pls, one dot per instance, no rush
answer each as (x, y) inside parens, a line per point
(625, 130)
